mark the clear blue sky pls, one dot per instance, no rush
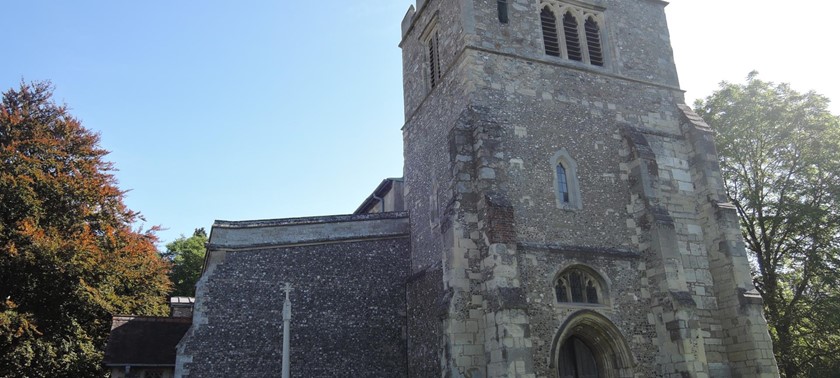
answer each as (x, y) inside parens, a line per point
(269, 109)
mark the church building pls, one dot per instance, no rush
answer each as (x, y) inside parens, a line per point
(561, 215)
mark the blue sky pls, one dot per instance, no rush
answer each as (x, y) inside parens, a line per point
(268, 109)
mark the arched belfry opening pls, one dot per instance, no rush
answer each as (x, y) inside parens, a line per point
(589, 345)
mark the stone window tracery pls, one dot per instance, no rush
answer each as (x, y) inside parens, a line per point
(578, 285)
(572, 32)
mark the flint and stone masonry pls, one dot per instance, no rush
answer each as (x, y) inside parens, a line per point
(478, 264)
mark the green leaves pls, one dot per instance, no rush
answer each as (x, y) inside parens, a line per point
(187, 256)
(68, 255)
(780, 160)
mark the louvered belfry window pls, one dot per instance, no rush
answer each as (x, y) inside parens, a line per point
(593, 42)
(434, 58)
(571, 32)
(503, 11)
(549, 28)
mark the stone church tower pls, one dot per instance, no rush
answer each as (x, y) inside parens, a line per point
(567, 215)
(562, 215)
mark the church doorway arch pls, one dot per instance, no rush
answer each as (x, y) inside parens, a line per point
(589, 345)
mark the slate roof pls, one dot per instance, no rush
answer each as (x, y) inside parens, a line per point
(148, 341)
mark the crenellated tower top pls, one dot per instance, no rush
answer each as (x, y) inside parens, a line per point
(618, 38)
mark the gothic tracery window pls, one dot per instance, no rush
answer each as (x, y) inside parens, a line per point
(572, 32)
(578, 285)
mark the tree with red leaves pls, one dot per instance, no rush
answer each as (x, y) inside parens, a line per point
(69, 256)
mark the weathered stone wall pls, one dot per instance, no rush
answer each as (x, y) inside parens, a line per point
(348, 301)
(423, 291)
(623, 303)
(430, 115)
(651, 219)
(636, 40)
(454, 22)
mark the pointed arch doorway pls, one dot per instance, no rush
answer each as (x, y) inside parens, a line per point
(576, 359)
(588, 345)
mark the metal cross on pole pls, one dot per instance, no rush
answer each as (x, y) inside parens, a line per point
(287, 318)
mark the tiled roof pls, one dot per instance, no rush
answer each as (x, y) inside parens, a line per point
(144, 340)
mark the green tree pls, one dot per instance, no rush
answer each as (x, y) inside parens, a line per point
(69, 257)
(187, 256)
(780, 160)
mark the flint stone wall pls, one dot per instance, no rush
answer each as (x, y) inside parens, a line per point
(348, 299)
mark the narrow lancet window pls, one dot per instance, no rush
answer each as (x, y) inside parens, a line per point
(503, 11)
(549, 28)
(593, 42)
(572, 37)
(562, 184)
(566, 186)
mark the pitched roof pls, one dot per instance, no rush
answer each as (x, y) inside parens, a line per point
(138, 340)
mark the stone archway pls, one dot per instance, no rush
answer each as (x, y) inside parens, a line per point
(586, 336)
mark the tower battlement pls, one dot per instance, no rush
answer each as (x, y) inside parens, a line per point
(626, 40)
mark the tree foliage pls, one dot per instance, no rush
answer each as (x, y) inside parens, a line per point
(69, 257)
(780, 160)
(187, 256)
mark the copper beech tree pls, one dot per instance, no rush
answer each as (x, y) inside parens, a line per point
(69, 256)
